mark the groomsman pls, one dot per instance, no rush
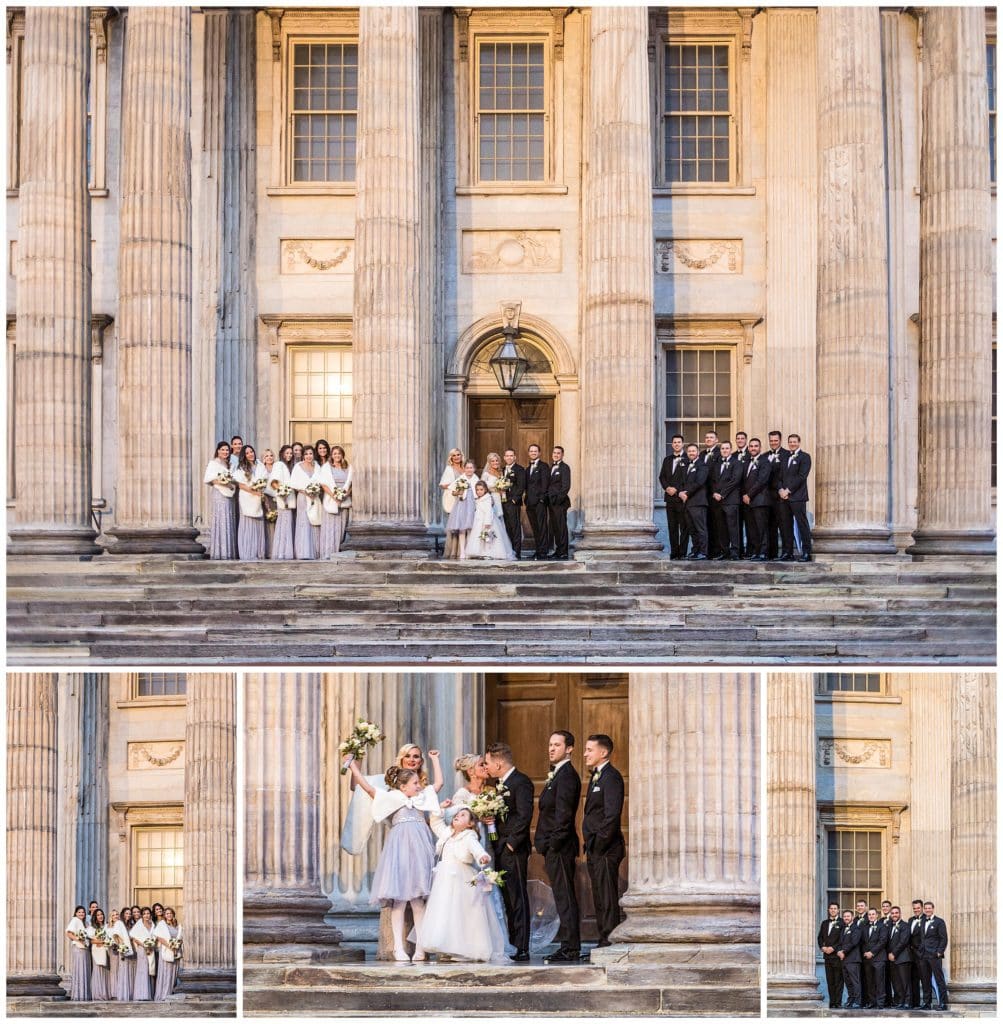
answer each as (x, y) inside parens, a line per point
(756, 500)
(932, 945)
(742, 458)
(557, 839)
(512, 500)
(558, 503)
(601, 828)
(900, 959)
(915, 938)
(694, 498)
(792, 492)
(849, 956)
(725, 487)
(711, 458)
(512, 847)
(776, 456)
(874, 948)
(829, 932)
(671, 477)
(537, 483)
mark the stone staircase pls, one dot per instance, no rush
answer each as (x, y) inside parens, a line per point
(175, 1006)
(358, 609)
(508, 990)
(816, 1010)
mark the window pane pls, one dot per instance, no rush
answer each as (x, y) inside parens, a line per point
(849, 682)
(697, 105)
(511, 119)
(159, 684)
(698, 392)
(854, 867)
(324, 101)
(320, 401)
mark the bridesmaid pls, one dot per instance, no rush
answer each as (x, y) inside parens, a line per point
(321, 451)
(167, 930)
(100, 962)
(146, 965)
(251, 525)
(222, 516)
(80, 957)
(268, 501)
(113, 957)
(282, 539)
(453, 470)
(334, 474)
(462, 516)
(307, 538)
(123, 986)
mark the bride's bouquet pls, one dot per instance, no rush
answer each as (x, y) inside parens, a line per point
(490, 803)
(461, 487)
(486, 879)
(365, 735)
(504, 485)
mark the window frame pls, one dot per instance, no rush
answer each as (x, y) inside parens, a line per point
(844, 827)
(888, 695)
(821, 690)
(134, 833)
(706, 346)
(993, 120)
(306, 346)
(129, 696)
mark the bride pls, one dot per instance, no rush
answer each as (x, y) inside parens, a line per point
(488, 537)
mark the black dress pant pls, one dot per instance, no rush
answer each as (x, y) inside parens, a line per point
(756, 520)
(834, 979)
(512, 514)
(514, 893)
(679, 537)
(560, 865)
(932, 971)
(743, 530)
(715, 526)
(772, 531)
(696, 523)
(604, 873)
(901, 975)
(874, 974)
(851, 978)
(730, 538)
(788, 513)
(915, 979)
(559, 528)
(541, 528)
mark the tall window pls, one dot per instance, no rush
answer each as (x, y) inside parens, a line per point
(320, 400)
(158, 867)
(161, 684)
(698, 143)
(699, 394)
(993, 413)
(511, 111)
(991, 82)
(325, 92)
(854, 868)
(849, 682)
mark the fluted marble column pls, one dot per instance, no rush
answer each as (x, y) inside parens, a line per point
(34, 921)
(852, 326)
(210, 824)
(791, 811)
(154, 496)
(284, 905)
(52, 361)
(955, 291)
(692, 902)
(389, 355)
(618, 320)
(973, 841)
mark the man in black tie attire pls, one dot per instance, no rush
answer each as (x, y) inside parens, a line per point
(557, 839)
(694, 498)
(915, 937)
(829, 932)
(932, 945)
(711, 457)
(726, 494)
(671, 477)
(792, 504)
(512, 500)
(601, 829)
(899, 959)
(512, 847)
(849, 956)
(537, 482)
(776, 456)
(756, 500)
(874, 949)
(742, 458)
(558, 503)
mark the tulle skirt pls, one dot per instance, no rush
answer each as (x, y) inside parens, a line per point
(462, 515)
(404, 870)
(251, 539)
(282, 548)
(222, 526)
(459, 919)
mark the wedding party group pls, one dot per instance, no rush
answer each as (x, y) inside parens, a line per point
(737, 501)
(460, 864)
(133, 956)
(882, 960)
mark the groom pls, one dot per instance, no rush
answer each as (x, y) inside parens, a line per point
(512, 846)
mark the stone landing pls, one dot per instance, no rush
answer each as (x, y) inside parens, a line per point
(814, 1010)
(176, 1006)
(843, 610)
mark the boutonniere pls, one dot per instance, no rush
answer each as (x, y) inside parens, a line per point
(550, 775)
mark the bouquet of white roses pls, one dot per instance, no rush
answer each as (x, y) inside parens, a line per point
(461, 487)
(175, 945)
(150, 946)
(101, 935)
(490, 803)
(364, 736)
(339, 494)
(223, 478)
(487, 534)
(504, 485)
(487, 878)
(281, 489)
(259, 484)
(271, 515)
(312, 490)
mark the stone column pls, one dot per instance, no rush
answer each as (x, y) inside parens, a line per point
(973, 841)
(692, 903)
(154, 496)
(618, 319)
(52, 361)
(284, 905)
(389, 355)
(34, 921)
(210, 824)
(791, 812)
(955, 288)
(852, 333)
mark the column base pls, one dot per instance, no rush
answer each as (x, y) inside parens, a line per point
(286, 925)
(47, 985)
(401, 538)
(850, 541)
(178, 541)
(708, 917)
(597, 541)
(73, 542)
(196, 980)
(784, 992)
(952, 542)
(979, 995)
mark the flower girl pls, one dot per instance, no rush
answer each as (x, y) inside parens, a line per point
(460, 919)
(404, 871)
(488, 537)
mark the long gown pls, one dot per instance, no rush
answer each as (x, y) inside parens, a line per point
(462, 515)
(282, 547)
(307, 537)
(100, 971)
(126, 967)
(222, 515)
(497, 545)
(168, 973)
(142, 990)
(80, 963)
(459, 918)
(332, 525)
(251, 521)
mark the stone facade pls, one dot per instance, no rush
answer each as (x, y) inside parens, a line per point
(909, 763)
(213, 265)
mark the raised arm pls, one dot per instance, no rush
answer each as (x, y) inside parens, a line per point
(358, 779)
(437, 780)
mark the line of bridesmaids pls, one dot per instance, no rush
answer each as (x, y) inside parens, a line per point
(133, 957)
(295, 507)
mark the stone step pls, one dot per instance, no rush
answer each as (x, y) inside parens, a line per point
(176, 1006)
(384, 974)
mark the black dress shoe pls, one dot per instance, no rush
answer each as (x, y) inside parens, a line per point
(926, 1006)
(806, 558)
(759, 558)
(520, 956)
(564, 956)
(605, 942)
(943, 1006)
(786, 558)
(719, 558)
(699, 558)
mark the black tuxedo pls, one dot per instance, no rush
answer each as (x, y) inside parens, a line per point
(557, 839)
(793, 476)
(558, 503)
(849, 946)
(776, 460)
(726, 480)
(695, 488)
(537, 482)
(512, 505)
(742, 457)
(711, 458)
(915, 935)
(875, 942)
(512, 848)
(604, 845)
(932, 946)
(756, 484)
(900, 962)
(675, 511)
(830, 936)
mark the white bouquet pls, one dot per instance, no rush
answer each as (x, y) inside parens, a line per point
(461, 487)
(487, 878)
(364, 736)
(490, 803)
(259, 484)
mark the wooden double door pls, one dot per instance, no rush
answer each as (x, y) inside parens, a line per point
(524, 710)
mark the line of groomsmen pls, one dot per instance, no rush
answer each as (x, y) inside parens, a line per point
(884, 961)
(735, 502)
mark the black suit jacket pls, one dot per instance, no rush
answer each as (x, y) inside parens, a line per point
(695, 484)
(899, 942)
(514, 830)
(669, 479)
(825, 939)
(915, 935)
(537, 482)
(756, 482)
(710, 457)
(793, 475)
(555, 827)
(775, 460)
(849, 943)
(601, 823)
(727, 481)
(515, 494)
(875, 942)
(933, 941)
(559, 485)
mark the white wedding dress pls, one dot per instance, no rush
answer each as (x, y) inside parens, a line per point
(496, 545)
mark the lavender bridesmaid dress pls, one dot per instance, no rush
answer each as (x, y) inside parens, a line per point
(80, 974)
(100, 983)
(167, 974)
(123, 987)
(251, 539)
(141, 987)
(223, 527)
(307, 535)
(282, 541)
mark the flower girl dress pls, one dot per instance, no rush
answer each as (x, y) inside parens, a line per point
(497, 545)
